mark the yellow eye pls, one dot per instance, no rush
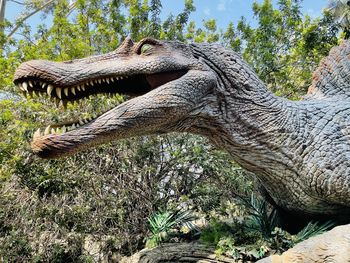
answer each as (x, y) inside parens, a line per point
(145, 48)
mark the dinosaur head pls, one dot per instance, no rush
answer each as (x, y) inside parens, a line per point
(163, 81)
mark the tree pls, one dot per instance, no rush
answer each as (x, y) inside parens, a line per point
(285, 48)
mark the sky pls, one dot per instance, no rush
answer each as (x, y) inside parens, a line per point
(224, 11)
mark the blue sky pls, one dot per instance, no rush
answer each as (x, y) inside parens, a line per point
(224, 11)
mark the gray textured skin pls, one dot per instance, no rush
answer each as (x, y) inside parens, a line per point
(299, 151)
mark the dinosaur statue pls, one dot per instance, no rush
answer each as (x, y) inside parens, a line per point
(299, 150)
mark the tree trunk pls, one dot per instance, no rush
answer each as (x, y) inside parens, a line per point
(2, 11)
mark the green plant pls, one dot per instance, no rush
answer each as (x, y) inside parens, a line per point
(257, 235)
(15, 247)
(165, 224)
(262, 218)
(215, 232)
(313, 229)
(280, 240)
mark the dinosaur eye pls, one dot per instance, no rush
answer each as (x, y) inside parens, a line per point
(145, 48)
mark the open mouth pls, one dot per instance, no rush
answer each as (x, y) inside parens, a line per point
(130, 85)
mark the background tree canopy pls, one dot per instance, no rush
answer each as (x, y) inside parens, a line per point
(134, 192)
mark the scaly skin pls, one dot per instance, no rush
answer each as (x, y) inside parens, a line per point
(299, 151)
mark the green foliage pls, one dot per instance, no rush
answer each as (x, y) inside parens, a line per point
(312, 229)
(215, 232)
(235, 240)
(163, 225)
(285, 48)
(262, 218)
(16, 248)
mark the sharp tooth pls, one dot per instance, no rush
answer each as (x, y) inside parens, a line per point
(53, 131)
(81, 122)
(47, 130)
(83, 87)
(91, 83)
(37, 133)
(107, 79)
(49, 89)
(85, 121)
(63, 129)
(20, 87)
(25, 86)
(43, 85)
(99, 81)
(30, 84)
(65, 91)
(117, 78)
(104, 80)
(34, 94)
(78, 87)
(59, 92)
(121, 77)
(73, 126)
(112, 79)
(72, 89)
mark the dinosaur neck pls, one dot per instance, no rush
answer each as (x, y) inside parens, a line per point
(243, 117)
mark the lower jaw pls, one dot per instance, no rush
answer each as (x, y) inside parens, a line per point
(73, 118)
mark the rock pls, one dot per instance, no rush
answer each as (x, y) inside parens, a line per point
(178, 252)
(330, 247)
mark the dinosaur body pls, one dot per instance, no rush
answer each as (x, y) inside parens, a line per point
(299, 151)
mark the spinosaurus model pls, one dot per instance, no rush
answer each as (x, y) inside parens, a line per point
(299, 150)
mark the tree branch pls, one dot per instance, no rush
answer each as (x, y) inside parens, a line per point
(17, 2)
(28, 16)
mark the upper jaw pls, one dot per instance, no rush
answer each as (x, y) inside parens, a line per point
(59, 140)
